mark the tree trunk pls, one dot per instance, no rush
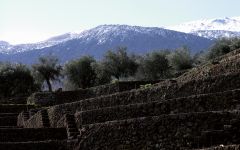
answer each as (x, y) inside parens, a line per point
(49, 86)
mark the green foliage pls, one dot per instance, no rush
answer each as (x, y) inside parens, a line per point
(119, 63)
(154, 66)
(181, 59)
(102, 75)
(81, 72)
(115, 66)
(223, 46)
(220, 47)
(199, 58)
(235, 44)
(16, 80)
(47, 70)
(114, 81)
(146, 86)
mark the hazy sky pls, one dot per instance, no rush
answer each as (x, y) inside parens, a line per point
(24, 21)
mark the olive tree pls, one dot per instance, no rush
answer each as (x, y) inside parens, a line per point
(48, 70)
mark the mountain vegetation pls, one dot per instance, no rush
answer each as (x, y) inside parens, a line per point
(223, 46)
(117, 64)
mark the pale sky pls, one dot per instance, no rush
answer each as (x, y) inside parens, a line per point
(26, 21)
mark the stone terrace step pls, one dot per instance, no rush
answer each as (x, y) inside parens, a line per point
(14, 100)
(9, 114)
(197, 103)
(8, 121)
(222, 147)
(30, 134)
(7, 127)
(165, 131)
(217, 137)
(157, 93)
(37, 145)
(228, 98)
(60, 97)
(14, 108)
(225, 64)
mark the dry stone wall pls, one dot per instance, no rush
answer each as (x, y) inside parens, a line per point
(228, 63)
(120, 87)
(160, 132)
(38, 145)
(14, 100)
(223, 147)
(200, 103)
(35, 121)
(9, 108)
(158, 93)
(27, 134)
(54, 98)
(21, 120)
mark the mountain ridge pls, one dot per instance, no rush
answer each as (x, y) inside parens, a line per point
(98, 40)
(211, 28)
(226, 23)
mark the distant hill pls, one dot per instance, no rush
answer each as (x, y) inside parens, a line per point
(98, 40)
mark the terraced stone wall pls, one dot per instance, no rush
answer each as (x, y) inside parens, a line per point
(228, 63)
(25, 115)
(166, 131)
(15, 108)
(20, 120)
(211, 84)
(120, 87)
(156, 93)
(38, 145)
(14, 100)
(54, 98)
(26, 134)
(35, 121)
(200, 103)
(223, 147)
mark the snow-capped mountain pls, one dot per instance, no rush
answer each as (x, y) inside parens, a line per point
(216, 34)
(98, 40)
(211, 28)
(7, 48)
(227, 24)
(4, 45)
